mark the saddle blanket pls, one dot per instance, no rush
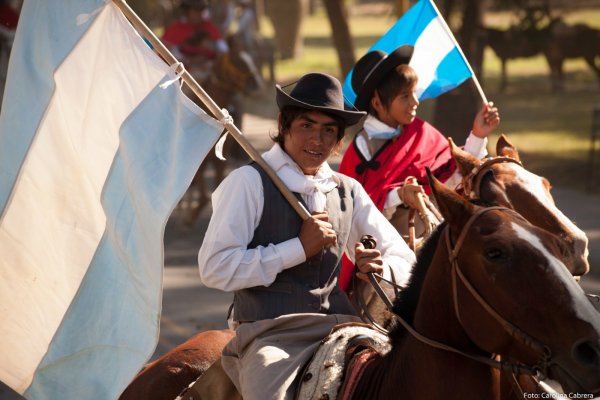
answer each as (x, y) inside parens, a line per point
(324, 374)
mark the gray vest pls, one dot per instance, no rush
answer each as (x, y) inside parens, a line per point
(310, 287)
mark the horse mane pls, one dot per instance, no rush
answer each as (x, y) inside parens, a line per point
(406, 302)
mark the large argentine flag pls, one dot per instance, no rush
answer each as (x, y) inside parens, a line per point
(438, 60)
(93, 158)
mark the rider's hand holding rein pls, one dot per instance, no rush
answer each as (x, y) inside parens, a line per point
(408, 193)
(486, 120)
(367, 260)
(317, 233)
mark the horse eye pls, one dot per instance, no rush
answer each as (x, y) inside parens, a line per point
(563, 249)
(494, 254)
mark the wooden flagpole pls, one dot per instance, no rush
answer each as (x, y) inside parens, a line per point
(217, 112)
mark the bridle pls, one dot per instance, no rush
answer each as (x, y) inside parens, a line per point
(545, 354)
(471, 183)
(514, 331)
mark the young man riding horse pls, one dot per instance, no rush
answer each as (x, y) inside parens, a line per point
(285, 271)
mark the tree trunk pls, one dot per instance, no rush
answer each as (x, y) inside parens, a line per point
(286, 17)
(454, 111)
(312, 7)
(341, 34)
(400, 7)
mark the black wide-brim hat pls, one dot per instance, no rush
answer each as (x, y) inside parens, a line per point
(370, 70)
(319, 92)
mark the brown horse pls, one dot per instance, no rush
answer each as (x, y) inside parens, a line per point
(501, 180)
(504, 181)
(166, 377)
(512, 43)
(557, 40)
(490, 180)
(234, 74)
(571, 41)
(487, 283)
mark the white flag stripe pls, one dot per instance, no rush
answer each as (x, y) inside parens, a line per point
(118, 305)
(60, 184)
(431, 48)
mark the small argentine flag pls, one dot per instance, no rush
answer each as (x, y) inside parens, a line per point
(438, 59)
(95, 152)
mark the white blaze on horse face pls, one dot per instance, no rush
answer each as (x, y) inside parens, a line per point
(534, 185)
(581, 305)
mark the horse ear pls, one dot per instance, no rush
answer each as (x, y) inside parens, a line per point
(453, 207)
(465, 161)
(505, 148)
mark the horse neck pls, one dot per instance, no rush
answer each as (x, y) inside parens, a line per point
(414, 370)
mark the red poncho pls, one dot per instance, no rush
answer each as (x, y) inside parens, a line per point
(420, 145)
(181, 33)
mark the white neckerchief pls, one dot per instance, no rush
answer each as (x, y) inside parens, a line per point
(314, 187)
(379, 130)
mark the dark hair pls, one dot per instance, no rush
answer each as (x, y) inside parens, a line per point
(289, 114)
(402, 77)
(199, 4)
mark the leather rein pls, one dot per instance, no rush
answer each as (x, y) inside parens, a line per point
(517, 368)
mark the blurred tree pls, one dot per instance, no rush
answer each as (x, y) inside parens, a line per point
(286, 17)
(156, 13)
(401, 6)
(338, 19)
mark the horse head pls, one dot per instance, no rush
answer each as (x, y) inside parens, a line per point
(512, 294)
(504, 181)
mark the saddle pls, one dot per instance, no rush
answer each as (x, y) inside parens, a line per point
(332, 372)
(339, 361)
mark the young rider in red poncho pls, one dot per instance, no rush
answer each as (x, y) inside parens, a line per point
(195, 39)
(394, 144)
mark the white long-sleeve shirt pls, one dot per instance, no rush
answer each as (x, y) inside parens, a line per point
(226, 262)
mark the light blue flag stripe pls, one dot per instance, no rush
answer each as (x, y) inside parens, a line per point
(407, 30)
(127, 181)
(451, 72)
(118, 305)
(40, 46)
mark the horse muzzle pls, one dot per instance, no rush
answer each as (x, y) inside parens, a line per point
(582, 376)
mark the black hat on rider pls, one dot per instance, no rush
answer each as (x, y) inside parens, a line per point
(372, 68)
(319, 92)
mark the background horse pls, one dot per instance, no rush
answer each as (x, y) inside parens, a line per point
(571, 41)
(504, 181)
(233, 75)
(512, 43)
